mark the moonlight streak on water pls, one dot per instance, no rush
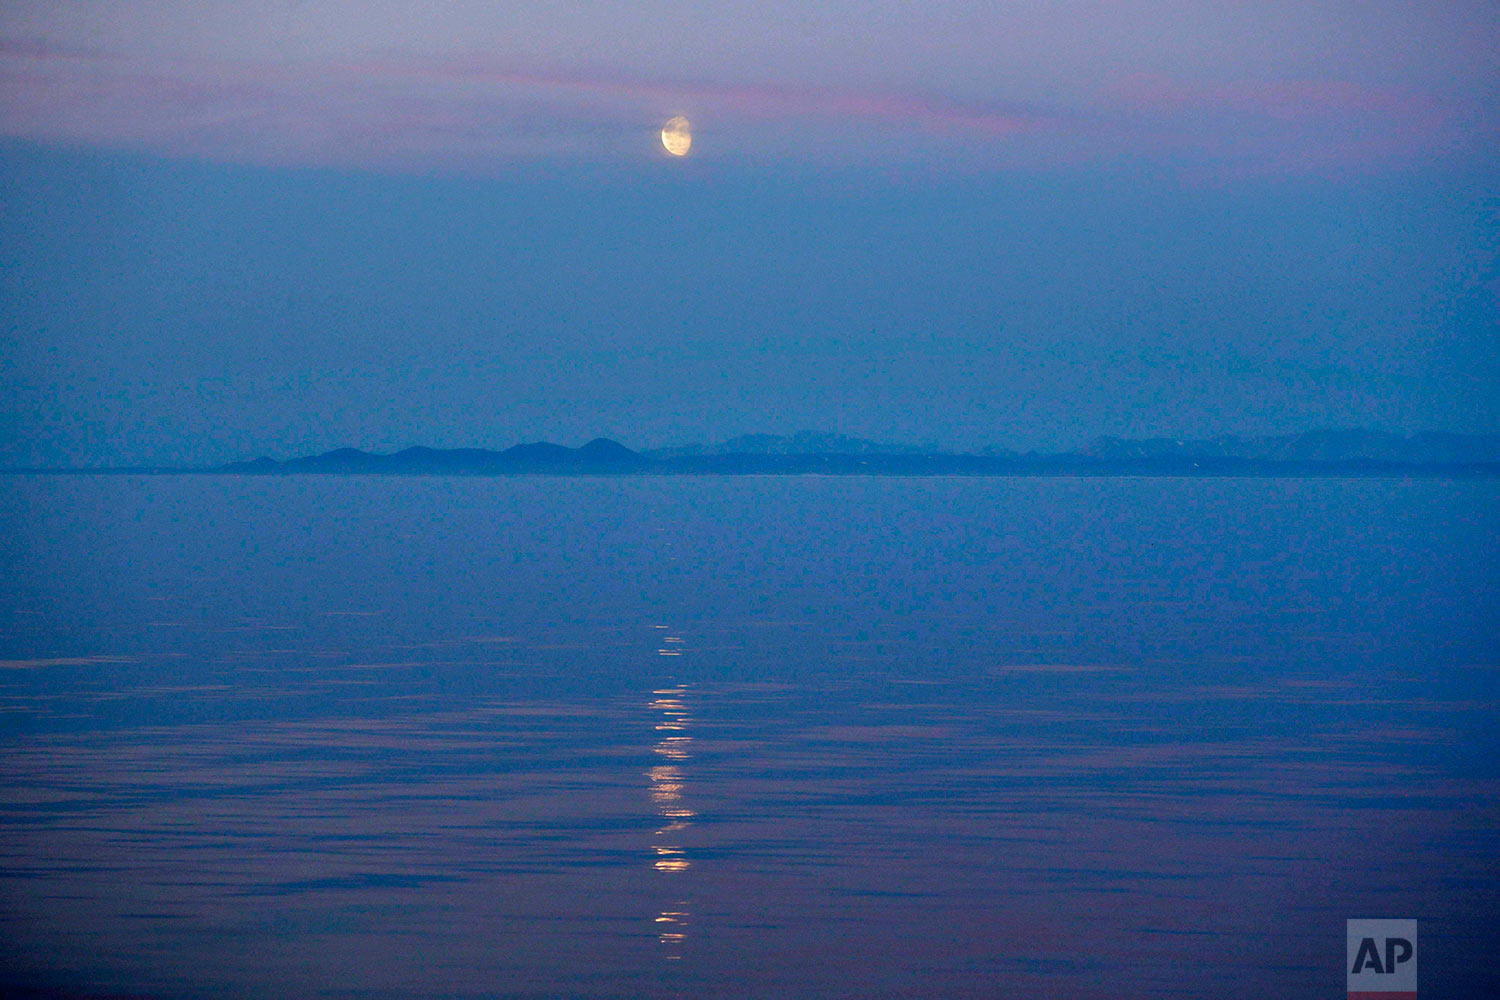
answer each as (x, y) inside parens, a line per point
(667, 781)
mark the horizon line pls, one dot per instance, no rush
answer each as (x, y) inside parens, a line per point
(868, 449)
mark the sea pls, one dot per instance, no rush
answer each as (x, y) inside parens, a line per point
(742, 736)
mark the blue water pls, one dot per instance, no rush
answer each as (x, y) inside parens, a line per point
(762, 737)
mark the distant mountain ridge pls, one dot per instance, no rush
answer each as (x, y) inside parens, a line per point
(1425, 447)
(1324, 452)
(599, 455)
(801, 443)
(1323, 445)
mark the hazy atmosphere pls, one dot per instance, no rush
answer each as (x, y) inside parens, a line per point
(751, 499)
(287, 228)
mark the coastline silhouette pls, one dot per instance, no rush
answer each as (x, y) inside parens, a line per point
(1322, 452)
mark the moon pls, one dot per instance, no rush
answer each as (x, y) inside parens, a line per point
(677, 136)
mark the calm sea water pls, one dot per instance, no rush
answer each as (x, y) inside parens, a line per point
(760, 737)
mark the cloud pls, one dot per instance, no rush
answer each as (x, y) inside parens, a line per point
(1278, 126)
(758, 100)
(1285, 100)
(408, 112)
(474, 113)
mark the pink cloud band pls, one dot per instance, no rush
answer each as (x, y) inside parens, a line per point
(468, 112)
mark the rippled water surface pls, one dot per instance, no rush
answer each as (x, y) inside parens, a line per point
(765, 737)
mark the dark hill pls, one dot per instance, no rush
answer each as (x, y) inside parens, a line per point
(1351, 445)
(1315, 453)
(598, 456)
(339, 460)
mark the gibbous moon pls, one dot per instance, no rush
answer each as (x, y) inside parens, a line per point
(677, 136)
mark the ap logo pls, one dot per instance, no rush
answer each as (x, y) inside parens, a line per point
(1382, 960)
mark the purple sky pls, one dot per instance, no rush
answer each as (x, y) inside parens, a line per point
(1226, 88)
(242, 229)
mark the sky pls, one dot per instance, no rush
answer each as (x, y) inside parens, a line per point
(280, 228)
